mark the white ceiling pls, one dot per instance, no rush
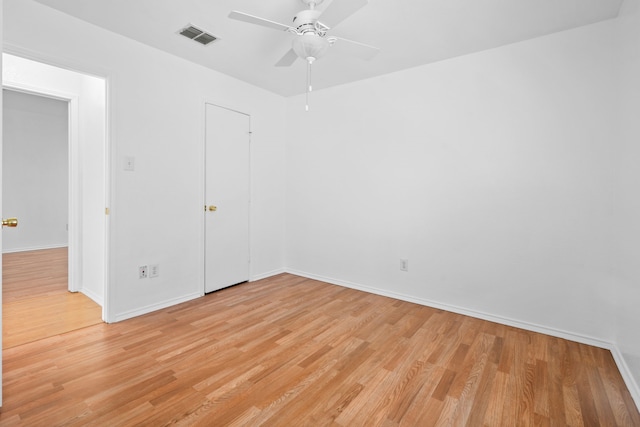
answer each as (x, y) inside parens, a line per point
(408, 32)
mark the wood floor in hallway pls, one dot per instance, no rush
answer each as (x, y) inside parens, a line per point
(290, 351)
(36, 300)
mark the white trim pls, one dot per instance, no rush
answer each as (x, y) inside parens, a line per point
(111, 159)
(87, 69)
(202, 179)
(95, 297)
(154, 307)
(627, 376)
(34, 248)
(1, 160)
(57, 60)
(250, 202)
(464, 311)
(624, 369)
(75, 198)
(268, 274)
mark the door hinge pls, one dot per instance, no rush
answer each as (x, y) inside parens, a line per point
(106, 211)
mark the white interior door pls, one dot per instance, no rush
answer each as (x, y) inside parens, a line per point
(227, 198)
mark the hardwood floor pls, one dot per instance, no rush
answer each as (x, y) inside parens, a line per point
(289, 351)
(36, 300)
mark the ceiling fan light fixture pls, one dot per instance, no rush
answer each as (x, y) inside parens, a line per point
(310, 41)
(310, 45)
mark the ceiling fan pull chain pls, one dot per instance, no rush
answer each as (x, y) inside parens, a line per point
(309, 77)
(309, 88)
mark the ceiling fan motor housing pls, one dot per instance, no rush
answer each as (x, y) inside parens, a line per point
(305, 21)
(312, 3)
(310, 46)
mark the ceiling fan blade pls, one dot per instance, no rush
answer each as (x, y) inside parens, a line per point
(288, 59)
(339, 10)
(245, 17)
(360, 50)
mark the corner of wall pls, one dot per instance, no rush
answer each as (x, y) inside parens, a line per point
(626, 373)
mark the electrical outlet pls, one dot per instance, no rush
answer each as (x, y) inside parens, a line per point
(404, 264)
(154, 270)
(143, 271)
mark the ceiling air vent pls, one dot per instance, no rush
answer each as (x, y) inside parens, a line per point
(198, 35)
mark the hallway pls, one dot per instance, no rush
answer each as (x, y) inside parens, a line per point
(36, 300)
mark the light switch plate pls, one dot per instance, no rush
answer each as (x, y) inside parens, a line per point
(129, 163)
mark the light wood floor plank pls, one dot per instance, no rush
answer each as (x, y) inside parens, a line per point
(36, 303)
(288, 351)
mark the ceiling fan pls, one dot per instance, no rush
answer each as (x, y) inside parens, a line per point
(310, 28)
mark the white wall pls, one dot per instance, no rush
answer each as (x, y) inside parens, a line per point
(499, 175)
(508, 178)
(35, 171)
(87, 162)
(490, 173)
(627, 202)
(156, 111)
(93, 164)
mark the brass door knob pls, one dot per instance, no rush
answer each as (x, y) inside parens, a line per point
(213, 208)
(10, 222)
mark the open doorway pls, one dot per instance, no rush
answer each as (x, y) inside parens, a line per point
(58, 194)
(35, 182)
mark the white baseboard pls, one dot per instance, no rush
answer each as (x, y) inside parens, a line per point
(95, 297)
(464, 311)
(625, 372)
(267, 274)
(33, 248)
(154, 307)
(627, 376)
(150, 308)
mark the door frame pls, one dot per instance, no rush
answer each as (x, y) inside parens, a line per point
(204, 189)
(74, 176)
(109, 177)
